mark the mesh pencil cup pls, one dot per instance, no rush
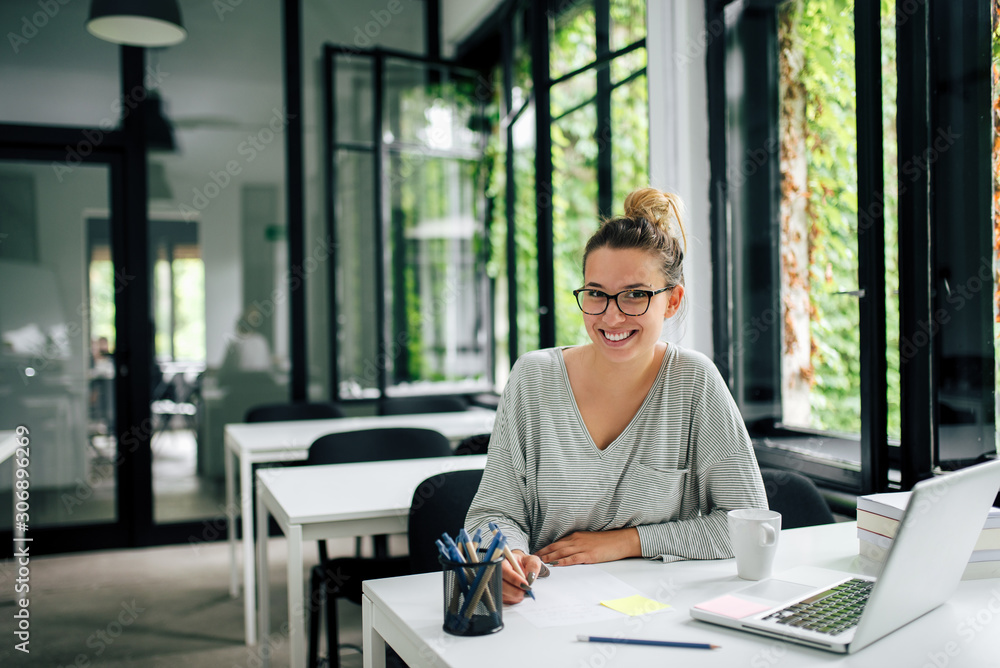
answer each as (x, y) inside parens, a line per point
(473, 597)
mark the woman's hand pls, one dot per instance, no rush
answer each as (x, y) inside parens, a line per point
(592, 547)
(513, 584)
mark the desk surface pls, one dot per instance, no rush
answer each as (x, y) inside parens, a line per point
(346, 492)
(7, 444)
(296, 435)
(407, 613)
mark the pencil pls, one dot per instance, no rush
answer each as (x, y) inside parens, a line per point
(656, 643)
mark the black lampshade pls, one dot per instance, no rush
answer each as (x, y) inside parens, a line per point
(137, 22)
(159, 131)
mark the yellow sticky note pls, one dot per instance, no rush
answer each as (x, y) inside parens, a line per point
(635, 605)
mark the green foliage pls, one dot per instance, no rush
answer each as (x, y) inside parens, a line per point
(526, 240)
(995, 115)
(102, 301)
(891, 217)
(822, 31)
(575, 150)
(189, 309)
(574, 213)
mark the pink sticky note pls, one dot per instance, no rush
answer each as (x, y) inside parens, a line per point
(732, 606)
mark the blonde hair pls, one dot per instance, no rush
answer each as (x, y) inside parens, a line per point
(650, 218)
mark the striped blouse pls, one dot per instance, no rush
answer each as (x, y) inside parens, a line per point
(683, 461)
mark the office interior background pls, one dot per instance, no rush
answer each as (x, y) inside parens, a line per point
(348, 201)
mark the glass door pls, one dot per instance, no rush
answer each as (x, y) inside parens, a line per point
(58, 378)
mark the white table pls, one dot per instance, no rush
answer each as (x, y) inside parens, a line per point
(261, 442)
(334, 501)
(407, 614)
(9, 445)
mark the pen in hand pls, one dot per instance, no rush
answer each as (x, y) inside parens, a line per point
(530, 578)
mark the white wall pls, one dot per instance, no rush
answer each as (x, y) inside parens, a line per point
(459, 18)
(678, 137)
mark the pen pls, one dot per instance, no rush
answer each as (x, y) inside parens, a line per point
(470, 550)
(656, 643)
(482, 578)
(509, 556)
(517, 569)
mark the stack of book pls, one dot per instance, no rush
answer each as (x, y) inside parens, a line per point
(878, 521)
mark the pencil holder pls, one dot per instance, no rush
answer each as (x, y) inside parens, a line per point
(473, 597)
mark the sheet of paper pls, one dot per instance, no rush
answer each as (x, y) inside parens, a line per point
(573, 595)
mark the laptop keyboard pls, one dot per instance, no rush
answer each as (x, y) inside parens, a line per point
(833, 611)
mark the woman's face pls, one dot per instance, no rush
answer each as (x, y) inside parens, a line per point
(622, 337)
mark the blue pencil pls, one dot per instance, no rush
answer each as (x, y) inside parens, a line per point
(656, 643)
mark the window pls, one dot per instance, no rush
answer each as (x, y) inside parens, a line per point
(178, 291)
(862, 330)
(411, 294)
(571, 140)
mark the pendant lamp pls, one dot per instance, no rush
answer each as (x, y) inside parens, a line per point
(137, 22)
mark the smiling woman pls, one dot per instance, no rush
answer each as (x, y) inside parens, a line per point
(626, 446)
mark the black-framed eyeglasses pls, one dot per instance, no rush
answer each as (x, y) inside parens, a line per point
(630, 302)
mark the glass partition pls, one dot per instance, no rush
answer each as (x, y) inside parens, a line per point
(58, 340)
(412, 296)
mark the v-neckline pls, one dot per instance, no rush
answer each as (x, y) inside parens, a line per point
(576, 407)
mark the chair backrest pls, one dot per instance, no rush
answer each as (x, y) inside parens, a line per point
(477, 444)
(293, 411)
(411, 405)
(796, 498)
(372, 445)
(440, 504)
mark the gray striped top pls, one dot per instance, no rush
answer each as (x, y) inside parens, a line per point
(683, 461)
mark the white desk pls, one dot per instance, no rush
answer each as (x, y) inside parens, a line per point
(7, 444)
(407, 614)
(261, 442)
(334, 501)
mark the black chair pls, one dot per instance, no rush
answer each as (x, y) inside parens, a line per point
(477, 444)
(372, 445)
(411, 405)
(439, 504)
(321, 410)
(796, 497)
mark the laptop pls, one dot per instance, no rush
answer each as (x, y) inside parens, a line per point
(922, 569)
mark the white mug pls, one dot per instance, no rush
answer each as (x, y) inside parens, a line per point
(754, 535)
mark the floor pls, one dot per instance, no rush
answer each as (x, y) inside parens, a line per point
(155, 607)
(179, 493)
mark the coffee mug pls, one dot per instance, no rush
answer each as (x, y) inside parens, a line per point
(754, 536)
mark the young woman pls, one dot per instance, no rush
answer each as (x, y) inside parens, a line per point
(626, 446)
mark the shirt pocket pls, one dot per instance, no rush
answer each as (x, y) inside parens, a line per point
(649, 496)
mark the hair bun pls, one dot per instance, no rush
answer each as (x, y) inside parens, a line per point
(663, 210)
